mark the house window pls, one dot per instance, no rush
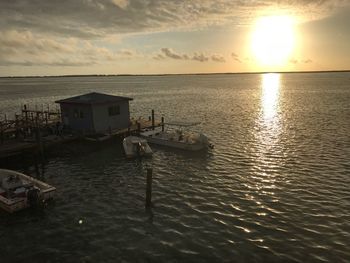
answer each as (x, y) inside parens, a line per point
(114, 110)
(78, 114)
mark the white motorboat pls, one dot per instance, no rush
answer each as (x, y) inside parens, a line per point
(136, 147)
(19, 191)
(177, 138)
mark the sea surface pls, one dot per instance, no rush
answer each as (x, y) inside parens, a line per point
(275, 188)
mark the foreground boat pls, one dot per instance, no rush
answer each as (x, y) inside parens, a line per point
(180, 139)
(19, 191)
(136, 147)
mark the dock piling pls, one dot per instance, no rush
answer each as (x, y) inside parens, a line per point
(149, 188)
(138, 127)
(162, 124)
(152, 119)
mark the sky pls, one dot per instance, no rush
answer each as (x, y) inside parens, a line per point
(68, 37)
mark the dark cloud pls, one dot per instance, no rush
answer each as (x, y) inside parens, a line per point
(236, 57)
(218, 58)
(168, 52)
(200, 57)
(196, 56)
(306, 61)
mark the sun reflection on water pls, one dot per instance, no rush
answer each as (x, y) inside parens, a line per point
(268, 133)
(270, 93)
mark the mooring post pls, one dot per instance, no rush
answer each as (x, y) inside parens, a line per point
(152, 119)
(25, 113)
(1, 133)
(138, 127)
(46, 118)
(16, 126)
(149, 188)
(48, 111)
(38, 139)
(162, 124)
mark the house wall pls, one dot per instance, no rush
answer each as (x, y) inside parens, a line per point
(82, 123)
(102, 120)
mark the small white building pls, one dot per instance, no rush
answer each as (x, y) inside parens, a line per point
(95, 112)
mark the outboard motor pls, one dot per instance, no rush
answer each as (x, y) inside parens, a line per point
(204, 139)
(33, 197)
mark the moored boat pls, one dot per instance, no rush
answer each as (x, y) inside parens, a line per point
(180, 139)
(136, 147)
(19, 191)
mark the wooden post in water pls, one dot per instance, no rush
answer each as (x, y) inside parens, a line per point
(46, 118)
(1, 133)
(138, 127)
(16, 125)
(48, 111)
(152, 119)
(39, 139)
(162, 124)
(25, 112)
(149, 188)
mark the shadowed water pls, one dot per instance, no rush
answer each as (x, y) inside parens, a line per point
(274, 188)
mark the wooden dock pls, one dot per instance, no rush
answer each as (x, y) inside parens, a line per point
(32, 131)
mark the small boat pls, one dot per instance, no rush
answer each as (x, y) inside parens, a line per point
(19, 191)
(180, 139)
(136, 146)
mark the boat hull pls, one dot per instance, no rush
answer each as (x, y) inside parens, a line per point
(130, 145)
(175, 144)
(14, 204)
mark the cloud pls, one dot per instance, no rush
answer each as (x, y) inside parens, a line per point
(91, 19)
(306, 61)
(121, 3)
(236, 57)
(196, 56)
(296, 61)
(168, 52)
(27, 49)
(13, 41)
(200, 57)
(158, 56)
(217, 58)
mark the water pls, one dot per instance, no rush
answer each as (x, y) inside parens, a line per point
(274, 188)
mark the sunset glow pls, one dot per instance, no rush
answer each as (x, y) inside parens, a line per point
(273, 40)
(170, 37)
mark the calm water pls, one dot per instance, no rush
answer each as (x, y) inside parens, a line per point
(274, 188)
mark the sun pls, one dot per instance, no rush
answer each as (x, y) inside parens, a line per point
(273, 40)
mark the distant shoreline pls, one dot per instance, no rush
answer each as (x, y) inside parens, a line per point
(176, 74)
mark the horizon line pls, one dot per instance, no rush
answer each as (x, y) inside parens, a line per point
(176, 74)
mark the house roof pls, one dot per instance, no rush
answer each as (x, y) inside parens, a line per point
(93, 98)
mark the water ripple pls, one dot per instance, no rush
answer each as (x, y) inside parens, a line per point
(271, 190)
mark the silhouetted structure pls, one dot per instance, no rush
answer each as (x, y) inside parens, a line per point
(95, 113)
